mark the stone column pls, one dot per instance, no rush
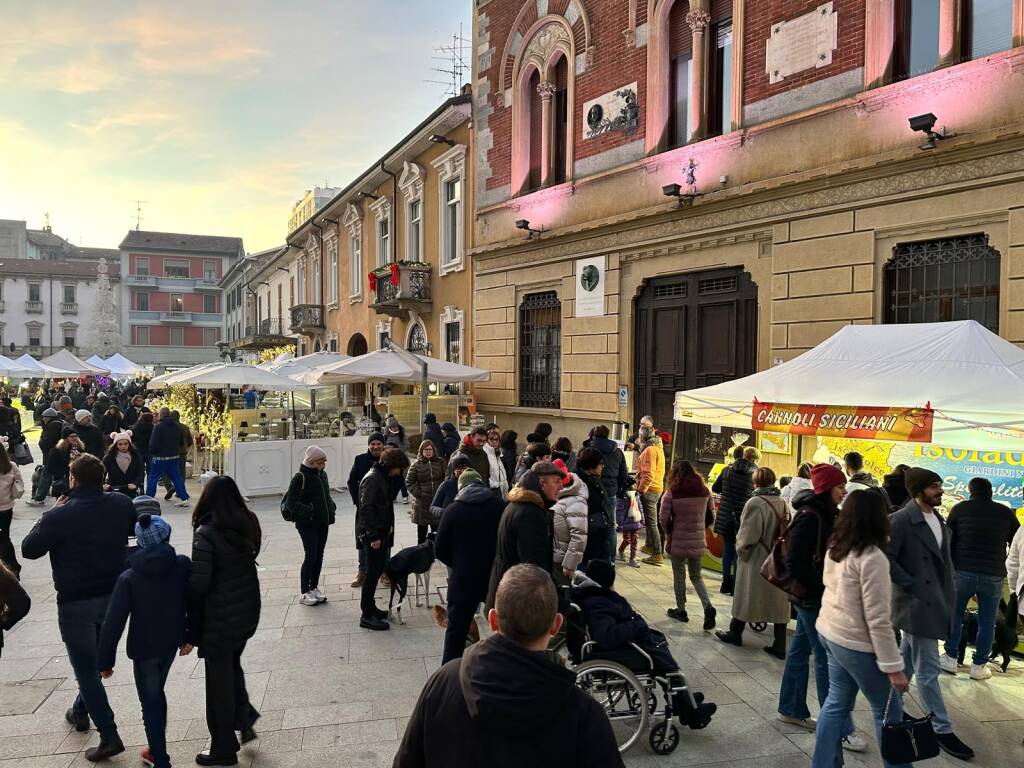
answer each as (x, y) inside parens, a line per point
(547, 90)
(949, 32)
(698, 19)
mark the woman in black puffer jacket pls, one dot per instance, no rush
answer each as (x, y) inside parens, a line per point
(735, 484)
(225, 593)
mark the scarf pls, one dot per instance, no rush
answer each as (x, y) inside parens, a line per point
(124, 460)
(771, 490)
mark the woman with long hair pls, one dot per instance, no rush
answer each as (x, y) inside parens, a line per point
(686, 512)
(498, 481)
(112, 421)
(126, 472)
(509, 452)
(855, 625)
(562, 449)
(226, 592)
(801, 482)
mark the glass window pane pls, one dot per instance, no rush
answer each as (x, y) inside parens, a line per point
(924, 36)
(679, 123)
(991, 27)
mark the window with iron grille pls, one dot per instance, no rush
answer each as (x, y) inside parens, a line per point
(540, 350)
(954, 278)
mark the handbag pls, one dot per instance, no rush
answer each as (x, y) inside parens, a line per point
(286, 510)
(21, 455)
(907, 741)
(774, 569)
(635, 514)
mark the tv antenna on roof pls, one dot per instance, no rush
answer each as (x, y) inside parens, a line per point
(454, 65)
(138, 213)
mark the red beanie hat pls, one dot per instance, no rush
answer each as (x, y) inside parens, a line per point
(566, 478)
(825, 477)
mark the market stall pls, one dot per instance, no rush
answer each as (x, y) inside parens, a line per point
(946, 396)
(42, 371)
(66, 361)
(120, 367)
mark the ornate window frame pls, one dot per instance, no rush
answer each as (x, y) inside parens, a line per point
(418, 323)
(331, 245)
(381, 208)
(411, 185)
(545, 43)
(383, 326)
(353, 223)
(451, 166)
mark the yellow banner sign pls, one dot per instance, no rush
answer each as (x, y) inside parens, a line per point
(912, 425)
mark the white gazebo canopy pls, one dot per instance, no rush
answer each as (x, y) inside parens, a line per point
(234, 375)
(41, 370)
(972, 378)
(65, 360)
(10, 367)
(120, 365)
(388, 365)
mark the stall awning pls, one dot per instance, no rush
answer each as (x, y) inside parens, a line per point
(958, 380)
(385, 365)
(66, 361)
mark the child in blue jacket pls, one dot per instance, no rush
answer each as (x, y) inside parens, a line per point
(152, 592)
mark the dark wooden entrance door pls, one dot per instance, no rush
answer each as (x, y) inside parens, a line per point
(692, 330)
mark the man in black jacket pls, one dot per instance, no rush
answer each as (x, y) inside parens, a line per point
(90, 434)
(375, 528)
(466, 542)
(525, 532)
(360, 466)
(164, 447)
(735, 484)
(85, 536)
(472, 448)
(614, 478)
(504, 704)
(432, 432)
(981, 530)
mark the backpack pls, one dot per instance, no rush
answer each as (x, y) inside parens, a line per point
(774, 569)
(286, 511)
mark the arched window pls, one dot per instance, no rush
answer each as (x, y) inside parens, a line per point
(536, 122)
(560, 120)
(417, 339)
(680, 55)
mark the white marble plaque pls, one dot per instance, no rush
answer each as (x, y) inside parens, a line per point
(806, 42)
(590, 287)
(614, 111)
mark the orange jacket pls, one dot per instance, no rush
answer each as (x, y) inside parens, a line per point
(650, 476)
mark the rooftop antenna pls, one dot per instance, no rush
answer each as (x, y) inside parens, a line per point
(452, 64)
(138, 213)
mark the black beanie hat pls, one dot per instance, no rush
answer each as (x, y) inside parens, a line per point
(919, 478)
(601, 571)
(430, 419)
(375, 436)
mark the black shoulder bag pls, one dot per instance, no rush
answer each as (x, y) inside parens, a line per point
(908, 741)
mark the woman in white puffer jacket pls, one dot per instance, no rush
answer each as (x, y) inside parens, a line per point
(569, 517)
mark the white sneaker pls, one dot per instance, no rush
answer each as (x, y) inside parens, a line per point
(948, 664)
(308, 599)
(34, 503)
(320, 596)
(980, 672)
(183, 503)
(854, 743)
(808, 724)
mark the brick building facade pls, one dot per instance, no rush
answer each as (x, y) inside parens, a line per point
(748, 184)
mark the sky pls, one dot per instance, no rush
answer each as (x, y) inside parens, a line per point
(218, 114)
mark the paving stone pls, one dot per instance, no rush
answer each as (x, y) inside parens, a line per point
(22, 698)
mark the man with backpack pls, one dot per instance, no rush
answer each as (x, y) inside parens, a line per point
(807, 539)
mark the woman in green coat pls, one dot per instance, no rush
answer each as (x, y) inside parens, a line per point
(312, 509)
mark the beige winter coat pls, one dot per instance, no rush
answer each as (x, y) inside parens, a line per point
(569, 518)
(12, 487)
(754, 599)
(856, 609)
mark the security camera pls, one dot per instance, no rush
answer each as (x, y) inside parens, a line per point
(923, 123)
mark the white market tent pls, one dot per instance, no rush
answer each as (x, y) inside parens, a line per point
(120, 365)
(972, 378)
(169, 379)
(298, 366)
(43, 371)
(234, 375)
(65, 360)
(10, 367)
(391, 365)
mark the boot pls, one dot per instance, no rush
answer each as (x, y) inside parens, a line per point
(654, 559)
(709, 617)
(735, 634)
(727, 585)
(778, 648)
(360, 578)
(106, 749)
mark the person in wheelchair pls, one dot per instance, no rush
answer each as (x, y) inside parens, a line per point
(616, 628)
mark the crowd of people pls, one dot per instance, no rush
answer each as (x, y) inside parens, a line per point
(875, 577)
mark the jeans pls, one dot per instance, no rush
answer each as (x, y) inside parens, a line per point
(680, 565)
(729, 560)
(182, 467)
(172, 469)
(850, 671)
(460, 615)
(227, 701)
(653, 535)
(150, 677)
(921, 656)
(80, 622)
(314, 542)
(795, 675)
(7, 547)
(989, 590)
(376, 559)
(43, 488)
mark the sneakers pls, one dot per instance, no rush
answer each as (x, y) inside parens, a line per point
(854, 743)
(168, 495)
(320, 596)
(948, 664)
(358, 582)
(729, 638)
(36, 503)
(654, 560)
(308, 598)
(807, 723)
(952, 746)
(147, 758)
(633, 563)
(80, 722)
(183, 503)
(677, 614)
(105, 749)
(647, 550)
(205, 758)
(709, 618)
(622, 556)
(980, 672)
(374, 623)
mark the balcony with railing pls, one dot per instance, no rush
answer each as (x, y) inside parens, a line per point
(307, 318)
(33, 307)
(267, 334)
(402, 287)
(207, 282)
(69, 308)
(176, 317)
(142, 281)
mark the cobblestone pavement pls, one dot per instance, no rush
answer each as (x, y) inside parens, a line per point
(332, 694)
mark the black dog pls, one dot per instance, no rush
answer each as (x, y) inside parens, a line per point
(1005, 641)
(409, 561)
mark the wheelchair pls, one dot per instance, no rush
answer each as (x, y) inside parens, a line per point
(626, 686)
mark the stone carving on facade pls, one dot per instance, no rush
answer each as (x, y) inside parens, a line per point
(697, 20)
(546, 89)
(550, 38)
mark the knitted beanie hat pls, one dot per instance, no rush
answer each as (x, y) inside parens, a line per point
(313, 453)
(919, 478)
(469, 476)
(825, 477)
(82, 414)
(116, 437)
(151, 530)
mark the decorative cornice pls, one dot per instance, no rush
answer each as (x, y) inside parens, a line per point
(411, 180)
(452, 162)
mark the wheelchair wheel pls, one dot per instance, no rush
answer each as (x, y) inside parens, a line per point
(758, 626)
(620, 694)
(664, 738)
